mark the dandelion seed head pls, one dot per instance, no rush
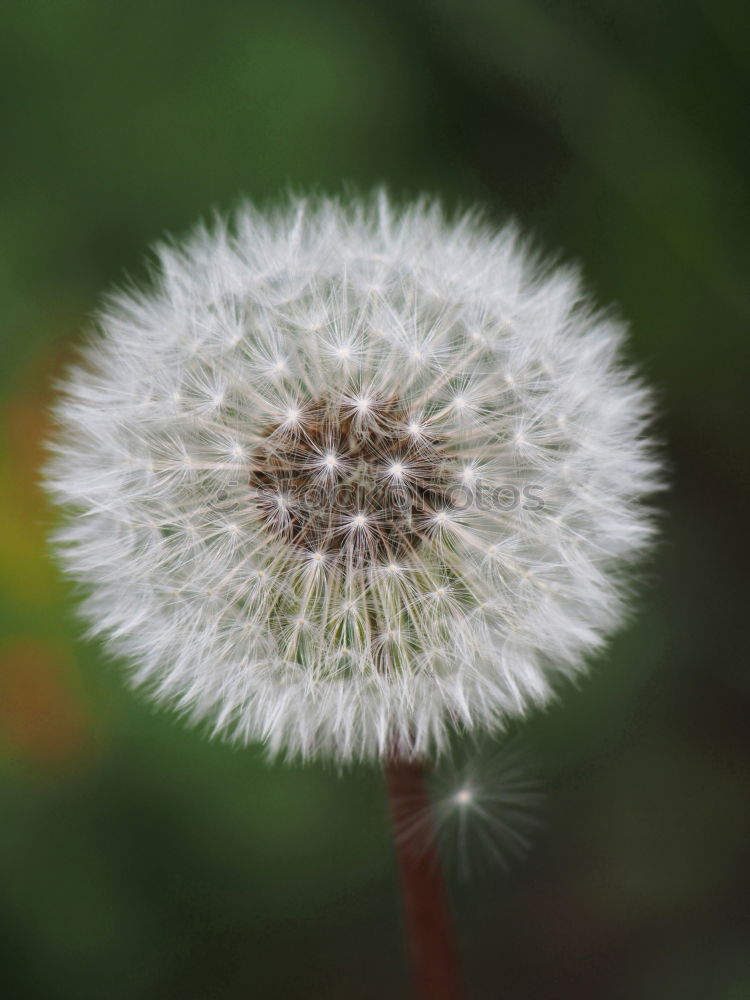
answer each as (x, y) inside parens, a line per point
(258, 458)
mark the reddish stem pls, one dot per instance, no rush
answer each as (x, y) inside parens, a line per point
(428, 926)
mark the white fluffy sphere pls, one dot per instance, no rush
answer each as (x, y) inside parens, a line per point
(349, 476)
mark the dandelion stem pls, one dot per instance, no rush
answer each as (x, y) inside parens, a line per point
(427, 921)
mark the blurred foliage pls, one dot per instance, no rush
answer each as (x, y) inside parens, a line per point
(139, 860)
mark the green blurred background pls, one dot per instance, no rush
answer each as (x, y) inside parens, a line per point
(138, 860)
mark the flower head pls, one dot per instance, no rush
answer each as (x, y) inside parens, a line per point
(347, 478)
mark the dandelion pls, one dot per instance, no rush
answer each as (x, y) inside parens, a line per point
(265, 461)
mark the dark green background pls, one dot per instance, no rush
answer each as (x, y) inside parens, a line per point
(138, 860)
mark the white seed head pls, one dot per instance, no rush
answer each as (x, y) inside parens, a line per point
(259, 460)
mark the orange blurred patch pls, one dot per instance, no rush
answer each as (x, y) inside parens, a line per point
(42, 720)
(26, 572)
(27, 423)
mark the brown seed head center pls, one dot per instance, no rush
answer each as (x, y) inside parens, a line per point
(359, 481)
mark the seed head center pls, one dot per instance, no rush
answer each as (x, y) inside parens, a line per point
(357, 484)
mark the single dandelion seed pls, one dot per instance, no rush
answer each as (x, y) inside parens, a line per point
(483, 810)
